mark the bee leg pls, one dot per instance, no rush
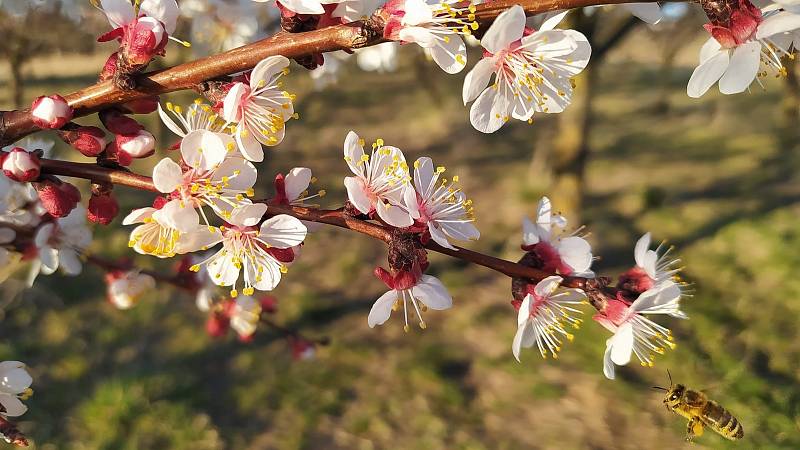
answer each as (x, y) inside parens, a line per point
(694, 428)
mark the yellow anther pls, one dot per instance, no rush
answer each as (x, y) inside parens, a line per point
(234, 293)
(195, 268)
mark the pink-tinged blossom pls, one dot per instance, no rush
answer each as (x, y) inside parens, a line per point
(59, 243)
(51, 112)
(20, 165)
(433, 26)
(302, 349)
(125, 288)
(143, 32)
(438, 206)
(244, 316)
(544, 315)
(533, 71)
(636, 334)
(652, 267)
(246, 247)
(260, 108)
(408, 289)
(380, 180)
(15, 385)
(207, 177)
(736, 50)
(564, 254)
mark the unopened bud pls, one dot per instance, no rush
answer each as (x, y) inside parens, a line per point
(143, 41)
(110, 68)
(140, 145)
(103, 208)
(58, 197)
(90, 141)
(118, 123)
(51, 112)
(217, 325)
(21, 165)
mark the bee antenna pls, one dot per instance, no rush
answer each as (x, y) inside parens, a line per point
(660, 388)
(670, 377)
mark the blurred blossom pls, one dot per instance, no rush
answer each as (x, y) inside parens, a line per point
(15, 382)
(379, 58)
(124, 288)
(222, 25)
(60, 243)
(244, 316)
(328, 73)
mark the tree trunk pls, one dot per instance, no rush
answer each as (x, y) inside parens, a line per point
(17, 86)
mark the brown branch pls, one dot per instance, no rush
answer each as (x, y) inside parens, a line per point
(17, 124)
(330, 217)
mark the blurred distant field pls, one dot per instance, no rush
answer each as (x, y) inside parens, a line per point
(715, 177)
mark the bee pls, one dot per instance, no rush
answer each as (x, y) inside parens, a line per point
(701, 412)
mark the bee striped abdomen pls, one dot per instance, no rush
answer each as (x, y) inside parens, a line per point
(722, 421)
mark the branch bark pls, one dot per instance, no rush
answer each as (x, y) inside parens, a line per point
(17, 124)
(335, 218)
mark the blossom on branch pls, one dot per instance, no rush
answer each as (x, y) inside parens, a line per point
(198, 116)
(544, 315)
(651, 267)
(433, 26)
(533, 71)
(408, 287)
(15, 385)
(124, 288)
(143, 31)
(380, 180)
(59, 243)
(260, 108)
(258, 251)
(636, 334)
(742, 39)
(158, 235)
(438, 207)
(566, 255)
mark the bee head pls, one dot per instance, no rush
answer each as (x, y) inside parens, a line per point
(673, 396)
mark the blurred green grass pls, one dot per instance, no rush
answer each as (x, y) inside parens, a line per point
(716, 177)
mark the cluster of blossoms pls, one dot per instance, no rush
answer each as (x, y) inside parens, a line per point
(424, 205)
(547, 310)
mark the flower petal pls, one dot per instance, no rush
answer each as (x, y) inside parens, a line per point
(742, 69)
(353, 151)
(477, 79)
(780, 22)
(450, 54)
(547, 286)
(12, 405)
(622, 344)
(248, 215)
(382, 309)
(608, 365)
(642, 246)
(432, 293)
(119, 12)
(303, 6)
(648, 12)
(203, 149)
(166, 11)
(707, 73)
(167, 176)
(249, 146)
(507, 28)
(491, 110)
(266, 69)
(576, 253)
(232, 105)
(296, 182)
(356, 194)
(416, 12)
(283, 231)
(393, 215)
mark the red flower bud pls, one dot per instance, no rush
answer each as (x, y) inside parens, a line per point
(90, 141)
(141, 106)
(21, 165)
(109, 68)
(51, 111)
(58, 197)
(102, 208)
(118, 123)
(143, 40)
(269, 304)
(139, 145)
